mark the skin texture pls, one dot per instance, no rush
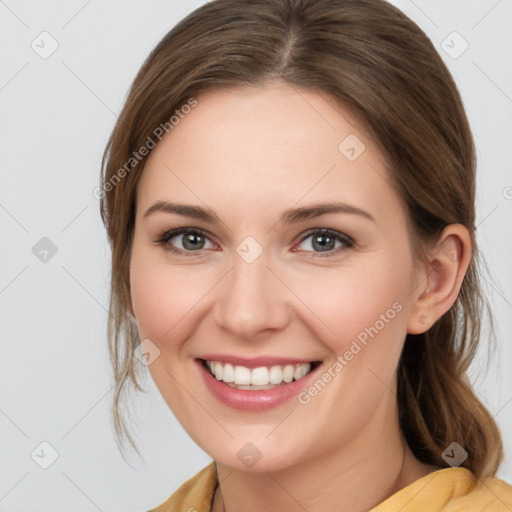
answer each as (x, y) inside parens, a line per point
(249, 154)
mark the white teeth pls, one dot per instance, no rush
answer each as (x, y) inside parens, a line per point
(228, 373)
(300, 371)
(288, 373)
(275, 375)
(263, 377)
(259, 376)
(242, 375)
(217, 370)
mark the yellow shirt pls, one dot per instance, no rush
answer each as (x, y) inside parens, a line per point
(446, 490)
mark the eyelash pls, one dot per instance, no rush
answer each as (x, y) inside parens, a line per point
(163, 240)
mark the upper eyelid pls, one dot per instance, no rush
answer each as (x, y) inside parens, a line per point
(166, 236)
(345, 239)
(171, 233)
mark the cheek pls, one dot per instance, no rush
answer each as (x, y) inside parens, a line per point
(356, 302)
(163, 298)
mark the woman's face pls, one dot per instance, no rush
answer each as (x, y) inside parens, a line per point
(251, 282)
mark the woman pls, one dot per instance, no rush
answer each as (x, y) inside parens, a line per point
(289, 196)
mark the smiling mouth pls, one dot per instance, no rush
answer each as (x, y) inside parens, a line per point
(262, 377)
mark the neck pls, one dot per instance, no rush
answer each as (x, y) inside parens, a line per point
(355, 477)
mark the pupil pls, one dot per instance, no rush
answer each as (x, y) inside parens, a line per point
(323, 243)
(192, 240)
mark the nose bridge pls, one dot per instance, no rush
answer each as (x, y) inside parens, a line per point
(251, 300)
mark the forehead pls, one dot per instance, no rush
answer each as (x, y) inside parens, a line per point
(267, 148)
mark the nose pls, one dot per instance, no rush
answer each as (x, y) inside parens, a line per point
(252, 300)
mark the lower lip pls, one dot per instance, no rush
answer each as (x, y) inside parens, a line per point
(257, 400)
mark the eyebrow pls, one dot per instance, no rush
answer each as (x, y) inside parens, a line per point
(289, 216)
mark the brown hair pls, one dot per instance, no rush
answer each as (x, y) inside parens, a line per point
(380, 66)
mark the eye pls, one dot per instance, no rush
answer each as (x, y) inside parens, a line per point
(325, 241)
(190, 239)
(187, 241)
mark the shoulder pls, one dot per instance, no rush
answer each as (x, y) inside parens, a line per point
(195, 495)
(451, 490)
(491, 495)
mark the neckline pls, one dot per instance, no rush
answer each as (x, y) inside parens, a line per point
(419, 483)
(422, 482)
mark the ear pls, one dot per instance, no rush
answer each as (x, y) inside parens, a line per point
(441, 280)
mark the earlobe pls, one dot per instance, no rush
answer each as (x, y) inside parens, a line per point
(448, 262)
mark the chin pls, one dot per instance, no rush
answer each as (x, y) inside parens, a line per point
(255, 454)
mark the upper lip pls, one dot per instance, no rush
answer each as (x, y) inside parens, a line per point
(255, 362)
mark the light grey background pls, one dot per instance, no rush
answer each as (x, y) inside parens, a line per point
(57, 113)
